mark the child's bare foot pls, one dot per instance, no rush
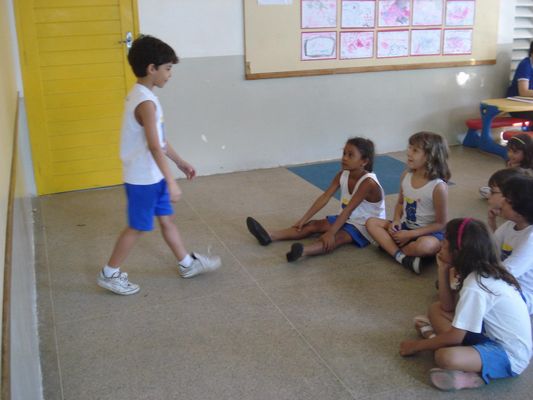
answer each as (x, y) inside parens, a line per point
(447, 379)
(296, 252)
(258, 231)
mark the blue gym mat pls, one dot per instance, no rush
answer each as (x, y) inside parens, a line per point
(387, 169)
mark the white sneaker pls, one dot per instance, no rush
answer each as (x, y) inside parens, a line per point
(200, 264)
(117, 283)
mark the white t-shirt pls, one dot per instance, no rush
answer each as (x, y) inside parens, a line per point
(503, 313)
(139, 166)
(418, 207)
(517, 255)
(365, 209)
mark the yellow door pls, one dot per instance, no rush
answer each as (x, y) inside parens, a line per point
(76, 75)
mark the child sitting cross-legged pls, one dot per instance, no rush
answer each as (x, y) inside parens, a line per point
(484, 335)
(511, 198)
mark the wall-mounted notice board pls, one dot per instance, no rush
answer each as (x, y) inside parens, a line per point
(285, 38)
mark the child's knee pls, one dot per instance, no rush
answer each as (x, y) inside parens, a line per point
(166, 220)
(427, 246)
(372, 222)
(444, 358)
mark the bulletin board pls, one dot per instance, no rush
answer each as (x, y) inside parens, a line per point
(286, 38)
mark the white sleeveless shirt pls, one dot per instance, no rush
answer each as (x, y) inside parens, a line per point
(418, 207)
(365, 209)
(139, 166)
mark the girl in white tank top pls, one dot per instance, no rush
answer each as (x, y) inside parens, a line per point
(362, 197)
(421, 211)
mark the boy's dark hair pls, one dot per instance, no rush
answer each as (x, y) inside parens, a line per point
(436, 150)
(498, 178)
(147, 50)
(518, 191)
(522, 142)
(531, 49)
(366, 148)
(473, 249)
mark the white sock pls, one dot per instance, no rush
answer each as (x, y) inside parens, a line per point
(399, 256)
(109, 271)
(187, 261)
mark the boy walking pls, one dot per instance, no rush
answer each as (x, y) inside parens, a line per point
(150, 187)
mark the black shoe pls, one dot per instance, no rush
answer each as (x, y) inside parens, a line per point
(296, 252)
(258, 231)
(412, 263)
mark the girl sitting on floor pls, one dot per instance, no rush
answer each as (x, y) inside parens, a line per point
(487, 333)
(361, 197)
(421, 209)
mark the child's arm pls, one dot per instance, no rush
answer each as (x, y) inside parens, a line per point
(452, 337)
(366, 187)
(447, 297)
(395, 225)
(145, 115)
(183, 165)
(320, 202)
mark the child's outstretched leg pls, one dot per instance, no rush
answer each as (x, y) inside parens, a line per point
(189, 264)
(299, 250)
(110, 277)
(264, 237)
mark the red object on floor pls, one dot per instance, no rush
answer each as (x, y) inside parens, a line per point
(498, 122)
(509, 134)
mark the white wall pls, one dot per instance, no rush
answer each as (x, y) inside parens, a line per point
(223, 123)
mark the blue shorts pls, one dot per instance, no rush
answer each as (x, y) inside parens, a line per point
(438, 235)
(145, 202)
(357, 237)
(495, 362)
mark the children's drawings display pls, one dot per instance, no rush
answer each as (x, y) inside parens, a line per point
(386, 28)
(357, 45)
(290, 38)
(319, 45)
(319, 13)
(358, 14)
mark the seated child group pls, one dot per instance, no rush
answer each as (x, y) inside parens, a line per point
(480, 327)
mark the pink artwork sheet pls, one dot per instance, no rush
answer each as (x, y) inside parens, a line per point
(358, 14)
(428, 12)
(460, 12)
(393, 43)
(358, 44)
(394, 13)
(319, 14)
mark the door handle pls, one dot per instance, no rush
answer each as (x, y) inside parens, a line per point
(128, 41)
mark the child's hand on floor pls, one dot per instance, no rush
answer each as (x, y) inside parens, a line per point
(408, 347)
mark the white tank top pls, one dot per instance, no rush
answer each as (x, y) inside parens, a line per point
(365, 209)
(418, 207)
(139, 166)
